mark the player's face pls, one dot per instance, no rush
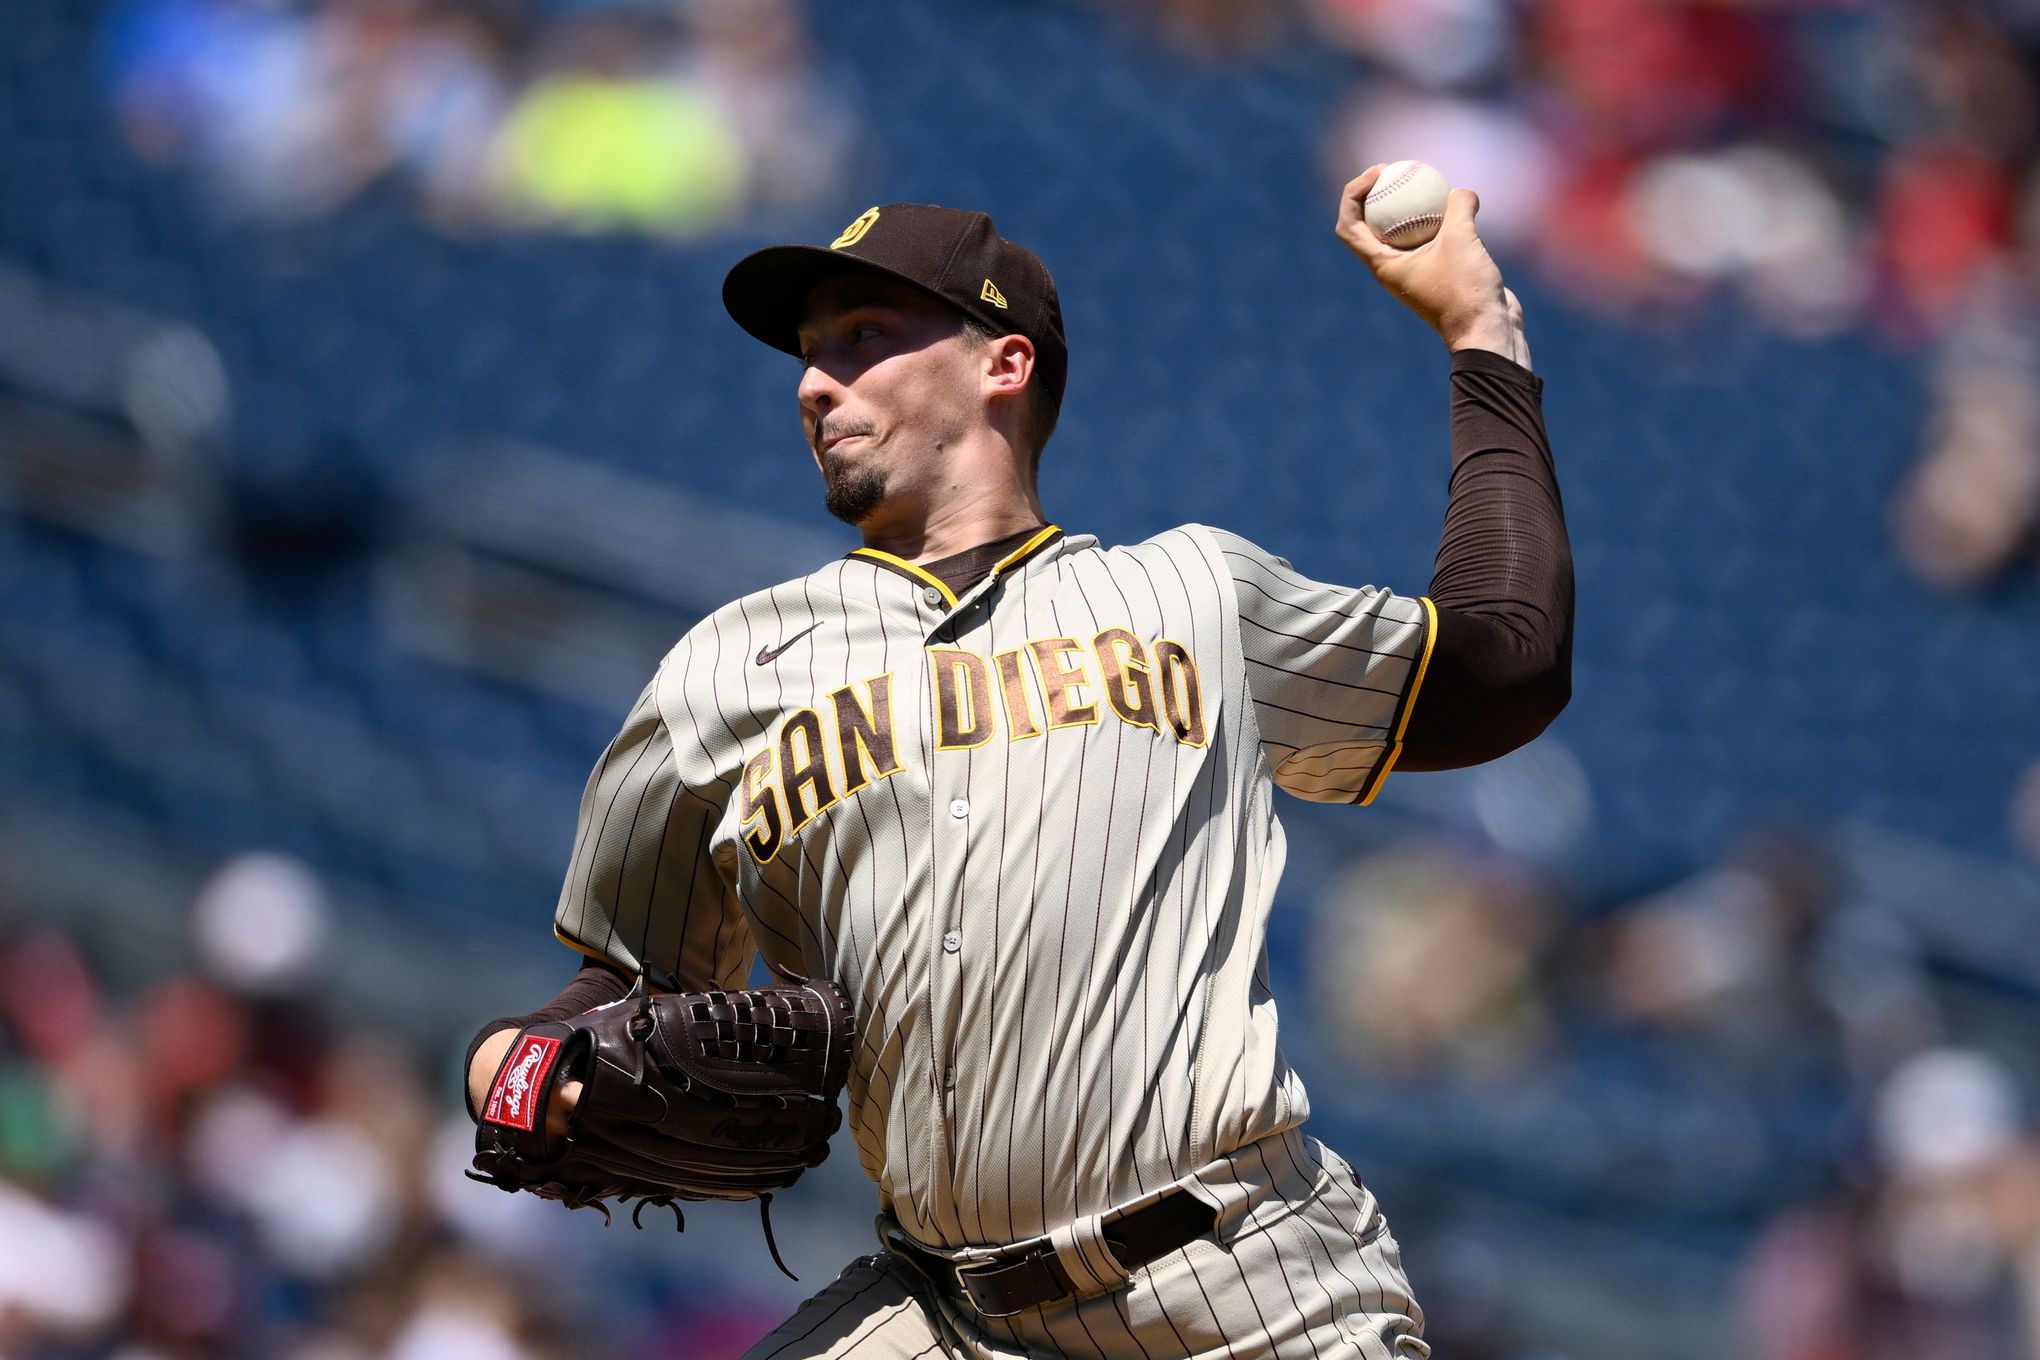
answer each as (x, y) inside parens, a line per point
(888, 387)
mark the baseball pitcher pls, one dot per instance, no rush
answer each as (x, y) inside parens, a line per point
(995, 803)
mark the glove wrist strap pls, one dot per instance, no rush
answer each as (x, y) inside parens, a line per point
(522, 1090)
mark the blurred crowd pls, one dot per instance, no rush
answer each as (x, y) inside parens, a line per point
(1830, 165)
(1874, 1151)
(200, 1157)
(673, 119)
(201, 1161)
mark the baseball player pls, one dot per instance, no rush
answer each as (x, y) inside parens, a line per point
(1012, 792)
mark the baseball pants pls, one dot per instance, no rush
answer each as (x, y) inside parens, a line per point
(1308, 1270)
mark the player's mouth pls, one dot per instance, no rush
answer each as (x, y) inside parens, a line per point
(832, 438)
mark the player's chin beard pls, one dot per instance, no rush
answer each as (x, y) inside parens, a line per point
(850, 493)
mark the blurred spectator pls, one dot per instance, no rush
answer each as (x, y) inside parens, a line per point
(1754, 218)
(1719, 959)
(462, 1312)
(1966, 510)
(442, 102)
(1943, 216)
(195, 1171)
(613, 138)
(2025, 812)
(1649, 75)
(1435, 44)
(754, 60)
(62, 1275)
(1929, 1252)
(673, 120)
(1425, 968)
(260, 924)
(1762, 964)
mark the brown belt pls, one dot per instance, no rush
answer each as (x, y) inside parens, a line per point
(1028, 1275)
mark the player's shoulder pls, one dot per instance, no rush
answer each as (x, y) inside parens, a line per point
(1221, 547)
(725, 637)
(1237, 547)
(1190, 561)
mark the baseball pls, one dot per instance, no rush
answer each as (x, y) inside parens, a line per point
(1406, 204)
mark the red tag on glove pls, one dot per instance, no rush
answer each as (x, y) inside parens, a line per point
(513, 1100)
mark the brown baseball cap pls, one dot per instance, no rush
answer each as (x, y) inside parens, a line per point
(956, 256)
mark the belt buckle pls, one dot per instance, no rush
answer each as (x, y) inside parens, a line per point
(968, 1271)
(896, 1239)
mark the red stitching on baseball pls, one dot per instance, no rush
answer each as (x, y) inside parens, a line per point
(1403, 226)
(1404, 178)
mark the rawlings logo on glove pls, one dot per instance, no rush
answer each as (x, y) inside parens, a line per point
(684, 1096)
(530, 1058)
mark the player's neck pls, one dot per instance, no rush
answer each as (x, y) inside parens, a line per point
(955, 523)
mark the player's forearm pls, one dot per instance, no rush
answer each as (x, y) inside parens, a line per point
(1501, 665)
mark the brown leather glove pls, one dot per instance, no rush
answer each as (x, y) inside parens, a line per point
(685, 1096)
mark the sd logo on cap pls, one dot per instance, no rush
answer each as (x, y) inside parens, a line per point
(953, 255)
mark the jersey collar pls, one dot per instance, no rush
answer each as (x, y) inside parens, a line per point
(1033, 547)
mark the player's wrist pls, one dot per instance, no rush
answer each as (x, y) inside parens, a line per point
(1484, 330)
(488, 1056)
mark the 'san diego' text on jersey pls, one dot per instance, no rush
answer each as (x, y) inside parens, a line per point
(812, 763)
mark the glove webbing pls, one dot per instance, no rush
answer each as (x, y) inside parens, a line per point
(529, 1086)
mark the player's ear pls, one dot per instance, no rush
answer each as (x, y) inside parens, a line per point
(1008, 364)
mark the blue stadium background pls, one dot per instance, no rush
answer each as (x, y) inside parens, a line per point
(283, 668)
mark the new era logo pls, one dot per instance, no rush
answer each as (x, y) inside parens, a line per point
(990, 293)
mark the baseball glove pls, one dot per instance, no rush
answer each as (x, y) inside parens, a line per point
(685, 1096)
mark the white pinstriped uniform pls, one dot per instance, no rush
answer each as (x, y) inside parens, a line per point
(1031, 832)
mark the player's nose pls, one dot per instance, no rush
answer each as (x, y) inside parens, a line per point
(818, 391)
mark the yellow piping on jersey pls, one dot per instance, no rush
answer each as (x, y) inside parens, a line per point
(886, 559)
(1019, 554)
(580, 948)
(1409, 704)
(1025, 549)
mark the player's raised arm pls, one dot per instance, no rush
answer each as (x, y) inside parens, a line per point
(1350, 683)
(1500, 665)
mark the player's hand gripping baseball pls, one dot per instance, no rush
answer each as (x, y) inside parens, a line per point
(1450, 280)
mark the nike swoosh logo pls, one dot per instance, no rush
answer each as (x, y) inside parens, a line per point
(768, 655)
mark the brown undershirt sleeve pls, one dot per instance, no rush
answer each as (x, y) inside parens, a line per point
(1501, 665)
(597, 984)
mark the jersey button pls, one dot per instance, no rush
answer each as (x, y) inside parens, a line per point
(952, 942)
(931, 595)
(959, 808)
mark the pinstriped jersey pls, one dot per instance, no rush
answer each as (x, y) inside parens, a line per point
(1029, 830)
